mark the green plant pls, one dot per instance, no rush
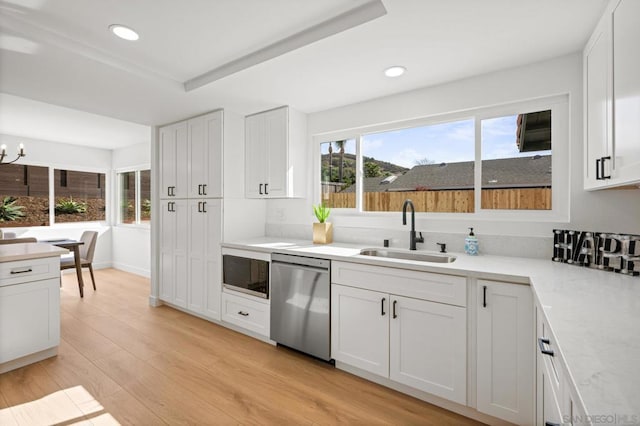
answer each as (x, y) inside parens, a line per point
(70, 207)
(146, 205)
(9, 211)
(322, 212)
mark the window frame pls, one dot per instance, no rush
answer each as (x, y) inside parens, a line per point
(560, 160)
(138, 223)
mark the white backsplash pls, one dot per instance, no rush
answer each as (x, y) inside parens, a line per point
(499, 245)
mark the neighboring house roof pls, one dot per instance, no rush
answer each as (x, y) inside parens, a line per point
(519, 172)
(373, 184)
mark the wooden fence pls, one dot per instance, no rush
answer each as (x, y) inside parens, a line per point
(446, 201)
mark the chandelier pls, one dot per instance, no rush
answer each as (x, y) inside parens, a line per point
(3, 153)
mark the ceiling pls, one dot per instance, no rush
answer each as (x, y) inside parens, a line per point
(61, 52)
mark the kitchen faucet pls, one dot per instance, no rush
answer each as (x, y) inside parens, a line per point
(412, 234)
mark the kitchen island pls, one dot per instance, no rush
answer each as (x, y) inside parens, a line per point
(29, 303)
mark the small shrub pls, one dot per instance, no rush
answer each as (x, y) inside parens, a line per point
(70, 207)
(146, 206)
(9, 211)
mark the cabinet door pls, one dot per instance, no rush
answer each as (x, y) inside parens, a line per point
(174, 223)
(213, 258)
(205, 156)
(197, 256)
(428, 347)
(597, 103)
(626, 90)
(551, 413)
(29, 318)
(360, 328)
(173, 161)
(277, 145)
(505, 351)
(255, 156)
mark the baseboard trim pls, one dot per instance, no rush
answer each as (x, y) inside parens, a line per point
(132, 269)
(154, 302)
(28, 359)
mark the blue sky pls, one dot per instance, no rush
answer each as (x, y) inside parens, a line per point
(442, 143)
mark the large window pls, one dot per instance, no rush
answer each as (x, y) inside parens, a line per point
(24, 195)
(134, 194)
(494, 160)
(79, 196)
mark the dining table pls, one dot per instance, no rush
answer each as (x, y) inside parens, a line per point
(74, 246)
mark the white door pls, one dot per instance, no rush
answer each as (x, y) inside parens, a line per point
(174, 161)
(626, 90)
(213, 258)
(597, 105)
(505, 351)
(276, 129)
(428, 347)
(255, 153)
(205, 156)
(196, 256)
(360, 328)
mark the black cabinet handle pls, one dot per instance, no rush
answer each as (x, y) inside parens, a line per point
(24, 271)
(199, 206)
(204, 207)
(199, 189)
(265, 189)
(204, 189)
(244, 314)
(168, 191)
(598, 160)
(484, 296)
(382, 312)
(260, 189)
(541, 342)
(602, 176)
(394, 309)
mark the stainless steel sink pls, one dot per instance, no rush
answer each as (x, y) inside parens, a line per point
(420, 257)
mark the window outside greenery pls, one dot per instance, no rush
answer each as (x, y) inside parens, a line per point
(134, 189)
(24, 196)
(79, 196)
(338, 173)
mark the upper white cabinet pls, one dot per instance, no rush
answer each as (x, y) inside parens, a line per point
(612, 98)
(505, 351)
(190, 157)
(275, 161)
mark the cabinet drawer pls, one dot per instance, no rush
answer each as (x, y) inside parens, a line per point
(246, 313)
(548, 361)
(403, 282)
(28, 270)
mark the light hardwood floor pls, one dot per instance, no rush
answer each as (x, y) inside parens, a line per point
(122, 361)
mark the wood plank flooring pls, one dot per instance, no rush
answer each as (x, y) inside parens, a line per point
(121, 361)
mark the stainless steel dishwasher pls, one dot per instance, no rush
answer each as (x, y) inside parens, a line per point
(300, 304)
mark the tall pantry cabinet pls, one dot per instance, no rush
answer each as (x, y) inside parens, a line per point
(190, 218)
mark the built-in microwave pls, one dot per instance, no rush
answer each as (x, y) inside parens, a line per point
(246, 275)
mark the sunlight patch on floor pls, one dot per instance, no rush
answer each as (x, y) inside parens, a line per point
(69, 406)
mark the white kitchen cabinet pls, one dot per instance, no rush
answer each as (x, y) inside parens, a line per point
(173, 264)
(612, 98)
(247, 312)
(204, 275)
(360, 328)
(173, 160)
(419, 343)
(428, 347)
(275, 147)
(29, 311)
(505, 351)
(190, 158)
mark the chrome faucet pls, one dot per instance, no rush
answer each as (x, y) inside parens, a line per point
(412, 234)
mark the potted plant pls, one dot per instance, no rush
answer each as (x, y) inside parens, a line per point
(322, 230)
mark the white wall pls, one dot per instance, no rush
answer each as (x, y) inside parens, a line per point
(66, 156)
(131, 245)
(615, 211)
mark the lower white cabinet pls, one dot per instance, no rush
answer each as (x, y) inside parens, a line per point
(190, 271)
(505, 351)
(29, 311)
(415, 342)
(247, 312)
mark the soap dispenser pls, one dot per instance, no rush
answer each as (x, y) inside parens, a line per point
(471, 244)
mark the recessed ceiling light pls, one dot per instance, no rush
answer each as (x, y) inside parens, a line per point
(123, 32)
(395, 71)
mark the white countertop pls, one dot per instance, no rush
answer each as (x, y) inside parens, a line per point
(24, 251)
(594, 315)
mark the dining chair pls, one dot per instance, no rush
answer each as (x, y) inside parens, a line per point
(18, 240)
(89, 238)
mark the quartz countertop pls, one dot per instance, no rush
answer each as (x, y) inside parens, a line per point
(594, 315)
(24, 251)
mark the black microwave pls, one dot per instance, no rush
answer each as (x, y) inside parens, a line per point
(246, 275)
